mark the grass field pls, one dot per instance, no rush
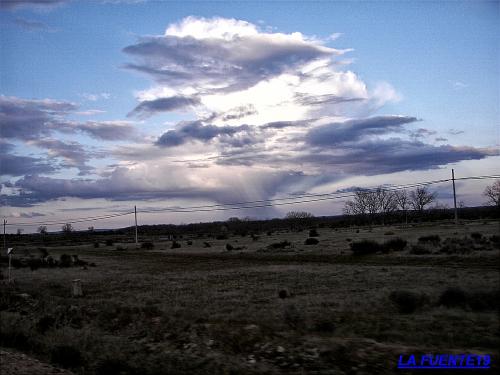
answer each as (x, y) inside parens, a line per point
(315, 309)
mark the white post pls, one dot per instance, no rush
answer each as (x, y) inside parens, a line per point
(135, 214)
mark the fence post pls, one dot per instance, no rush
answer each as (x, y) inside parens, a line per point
(454, 195)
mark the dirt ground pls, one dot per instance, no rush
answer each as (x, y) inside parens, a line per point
(302, 309)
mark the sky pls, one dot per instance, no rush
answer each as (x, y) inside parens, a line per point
(109, 104)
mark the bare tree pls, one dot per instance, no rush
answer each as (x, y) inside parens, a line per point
(421, 197)
(492, 192)
(387, 202)
(91, 229)
(42, 229)
(67, 228)
(19, 231)
(403, 202)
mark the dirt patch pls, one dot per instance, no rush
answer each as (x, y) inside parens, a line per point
(14, 363)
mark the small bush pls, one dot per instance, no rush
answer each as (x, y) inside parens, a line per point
(348, 239)
(147, 245)
(389, 233)
(395, 244)
(96, 245)
(313, 233)
(113, 366)
(44, 323)
(407, 301)
(481, 301)
(293, 317)
(229, 247)
(65, 260)
(311, 241)
(325, 326)
(221, 237)
(175, 245)
(280, 245)
(121, 248)
(66, 356)
(453, 297)
(476, 236)
(189, 242)
(206, 244)
(284, 293)
(420, 250)
(357, 230)
(109, 242)
(365, 247)
(433, 239)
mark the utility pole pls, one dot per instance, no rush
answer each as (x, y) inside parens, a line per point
(4, 224)
(454, 195)
(135, 214)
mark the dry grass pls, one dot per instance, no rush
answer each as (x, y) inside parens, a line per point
(204, 310)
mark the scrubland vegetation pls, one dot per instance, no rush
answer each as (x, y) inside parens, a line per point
(302, 298)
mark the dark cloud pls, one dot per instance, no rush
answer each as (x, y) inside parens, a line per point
(237, 113)
(284, 124)
(29, 119)
(225, 64)
(14, 4)
(15, 165)
(306, 99)
(73, 153)
(353, 130)
(150, 107)
(392, 155)
(196, 130)
(108, 130)
(30, 25)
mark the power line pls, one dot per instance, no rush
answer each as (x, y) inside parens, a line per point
(296, 199)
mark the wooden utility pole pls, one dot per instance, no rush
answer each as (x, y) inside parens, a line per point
(454, 195)
(135, 214)
(4, 224)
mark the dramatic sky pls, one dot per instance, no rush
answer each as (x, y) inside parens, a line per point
(109, 104)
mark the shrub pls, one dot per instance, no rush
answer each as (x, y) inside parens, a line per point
(96, 245)
(348, 239)
(221, 237)
(66, 356)
(175, 245)
(44, 323)
(476, 236)
(147, 245)
(311, 241)
(420, 250)
(113, 366)
(229, 247)
(65, 260)
(293, 317)
(357, 230)
(433, 239)
(206, 244)
(109, 242)
(283, 293)
(481, 301)
(407, 301)
(279, 245)
(121, 248)
(313, 233)
(395, 244)
(365, 247)
(189, 242)
(453, 297)
(389, 233)
(325, 326)
(495, 241)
